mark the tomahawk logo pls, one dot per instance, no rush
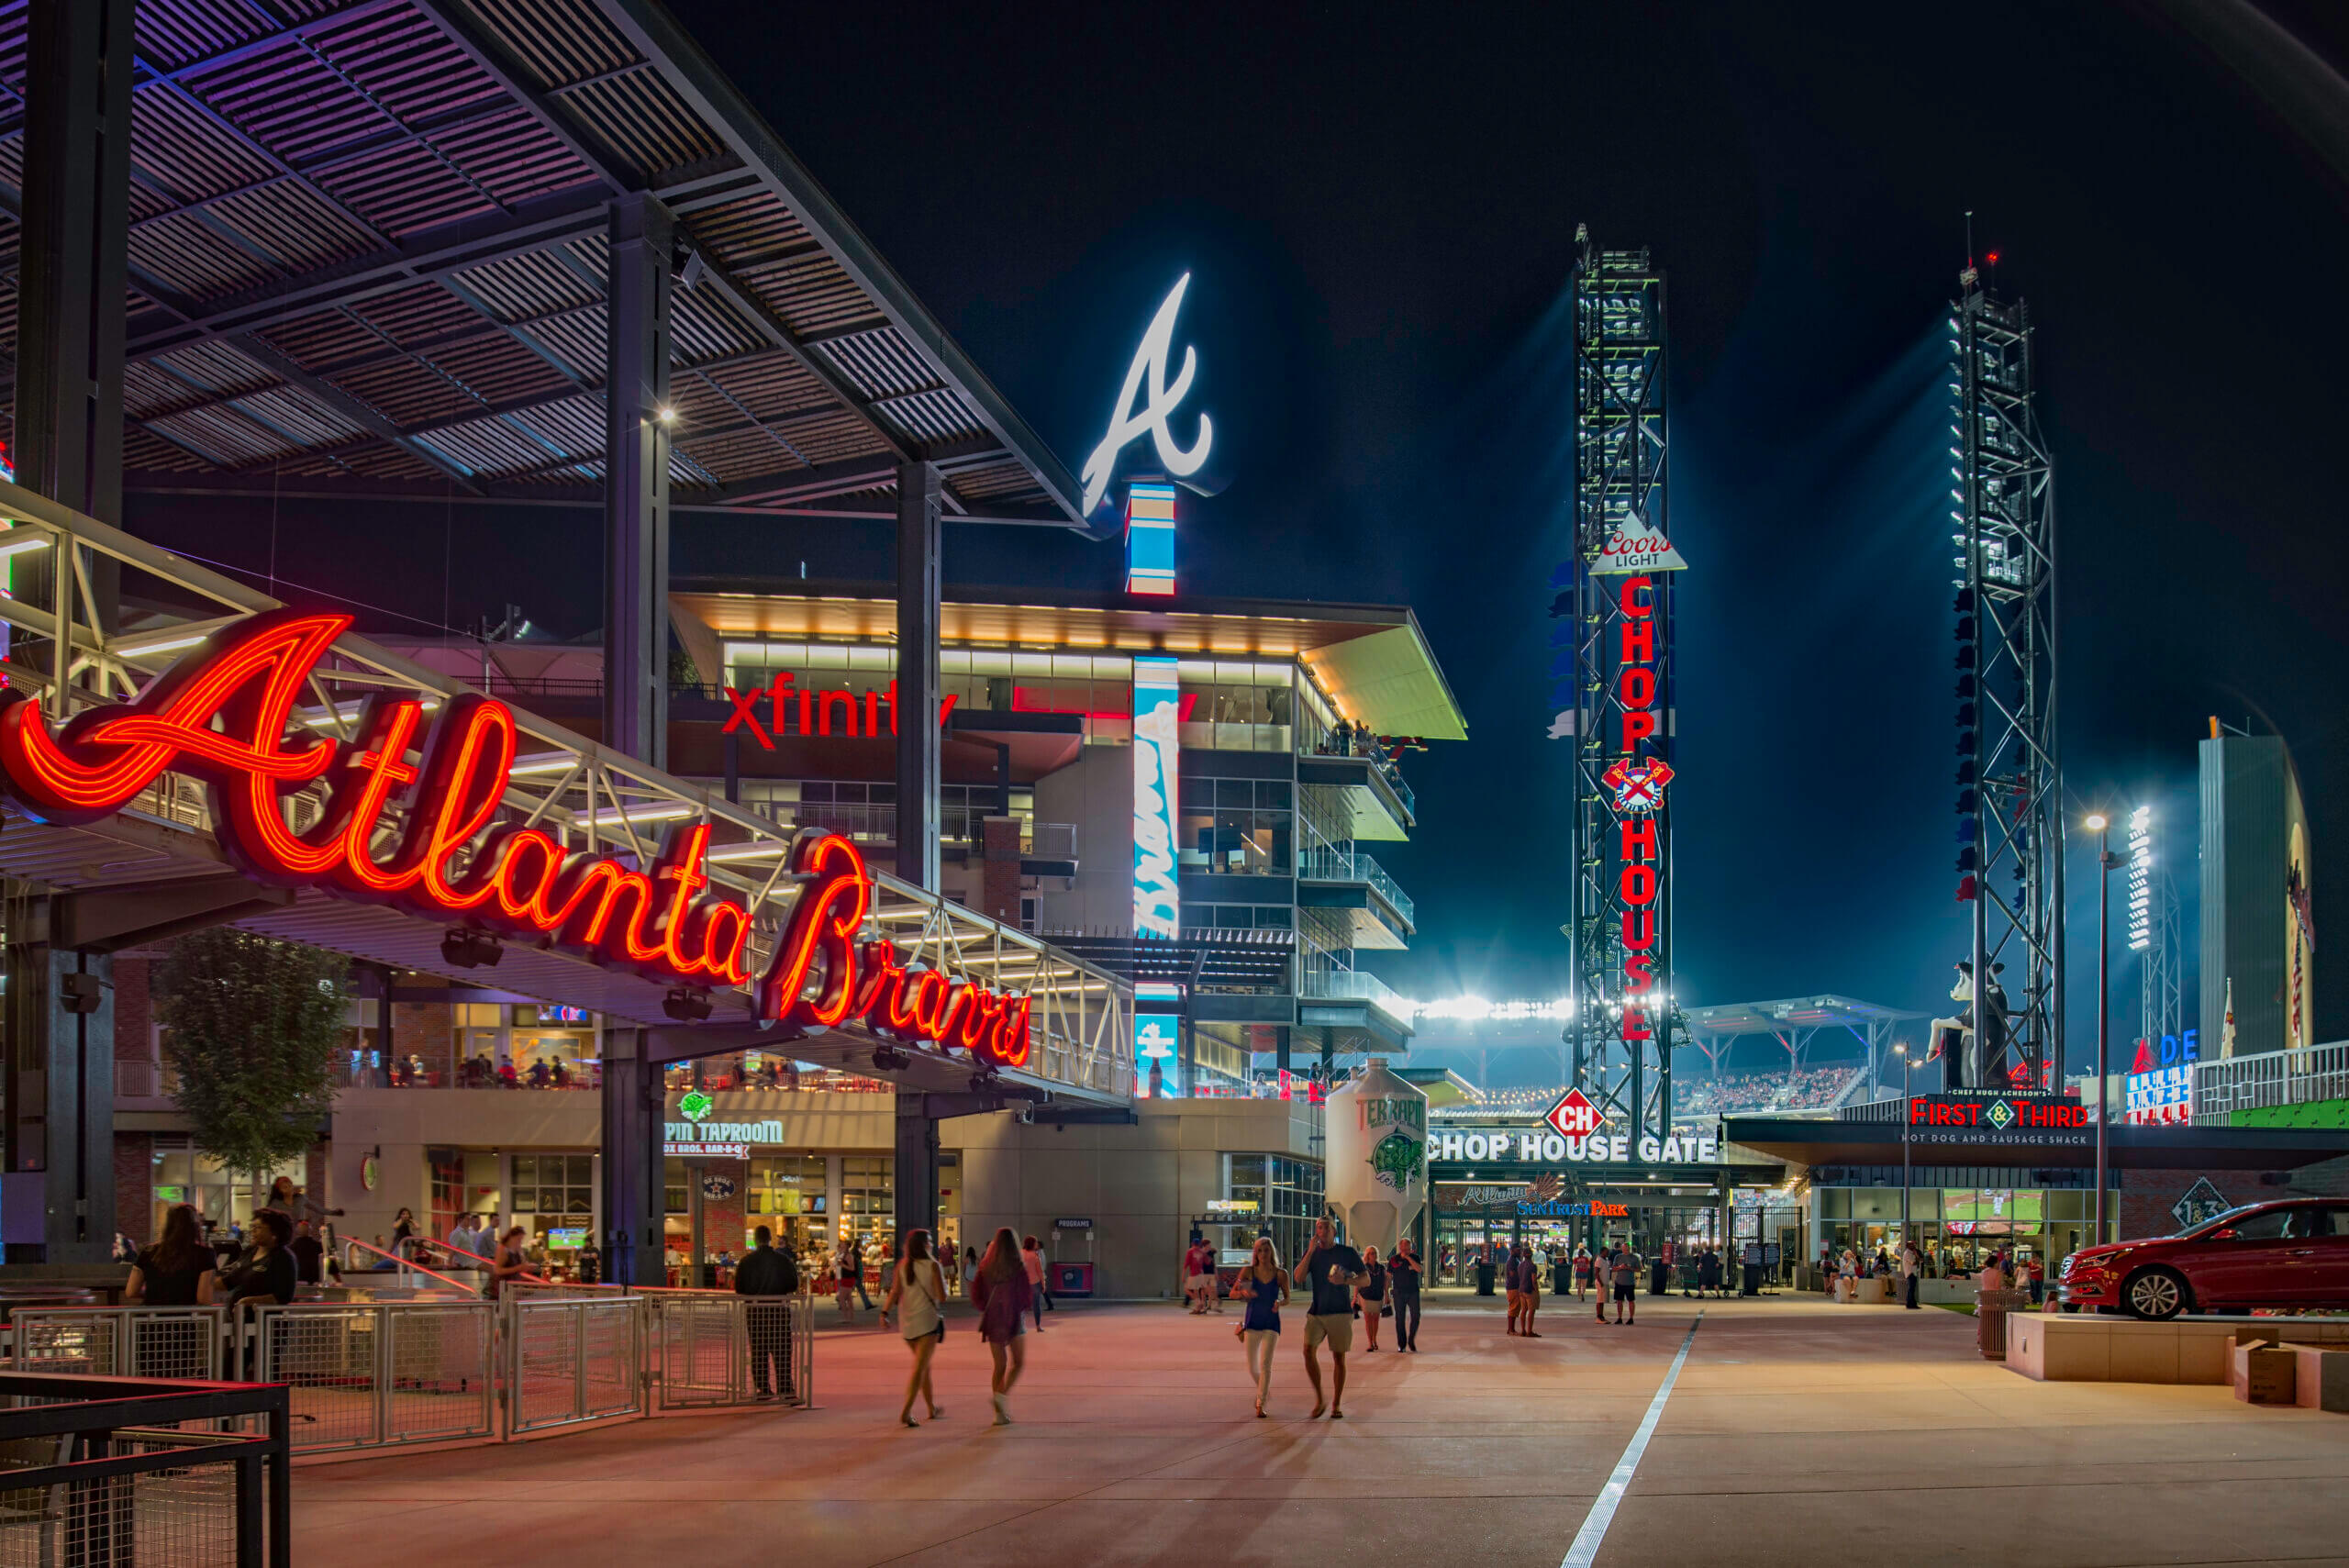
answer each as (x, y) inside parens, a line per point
(1637, 783)
(1127, 424)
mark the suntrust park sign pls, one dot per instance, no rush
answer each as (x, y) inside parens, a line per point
(1506, 1146)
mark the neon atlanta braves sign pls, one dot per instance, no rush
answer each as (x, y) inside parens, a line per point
(1127, 423)
(447, 859)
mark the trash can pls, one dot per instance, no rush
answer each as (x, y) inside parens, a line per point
(1990, 1309)
(1484, 1276)
(1562, 1275)
(1752, 1285)
(1659, 1277)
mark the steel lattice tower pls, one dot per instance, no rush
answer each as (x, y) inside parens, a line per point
(2152, 933)
(2009, 805)
(1620, 491)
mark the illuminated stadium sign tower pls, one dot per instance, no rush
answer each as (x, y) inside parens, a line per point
(1614, 632)
(2010, 788)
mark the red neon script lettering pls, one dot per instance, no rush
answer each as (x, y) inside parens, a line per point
(822, 975)
(518, 880)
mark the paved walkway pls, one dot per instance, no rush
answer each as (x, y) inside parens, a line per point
(1799, 1433)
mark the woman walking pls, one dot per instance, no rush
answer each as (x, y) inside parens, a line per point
(1371, 1298)
(1581, 1273)
(918, 1296)
(1000, 1290)
(1263, 1288)
(847, 1265)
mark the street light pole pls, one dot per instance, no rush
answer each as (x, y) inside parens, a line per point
(1907, 1235)
(2105, 861)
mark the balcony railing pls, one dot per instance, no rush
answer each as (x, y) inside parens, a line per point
(1354, 985)
(2271, 1078)
(1319, 865)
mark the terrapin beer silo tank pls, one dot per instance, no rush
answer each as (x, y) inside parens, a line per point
(1377, 1176)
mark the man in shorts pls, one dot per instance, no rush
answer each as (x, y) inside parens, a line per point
(1199, 1275)
(1627, 1286)
(1332, 1269)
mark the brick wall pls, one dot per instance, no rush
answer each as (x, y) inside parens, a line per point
(134, 1185)
(134, 1010)
(424, 1028)
(2148, 1196)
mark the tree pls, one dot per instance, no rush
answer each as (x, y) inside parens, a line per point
(254, 1027)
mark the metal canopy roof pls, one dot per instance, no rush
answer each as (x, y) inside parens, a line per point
(1823, 1010)
(367, 256)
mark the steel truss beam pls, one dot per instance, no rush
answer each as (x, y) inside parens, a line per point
(1619, 487)
(2009, 804)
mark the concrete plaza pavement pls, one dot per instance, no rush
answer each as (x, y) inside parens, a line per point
(1798, 1432)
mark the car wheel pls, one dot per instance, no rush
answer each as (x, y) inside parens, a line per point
(2157, 1294)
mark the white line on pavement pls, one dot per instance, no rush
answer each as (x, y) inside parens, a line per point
(1585, 1550)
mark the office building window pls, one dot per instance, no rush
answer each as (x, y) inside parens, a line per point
(1236, 826)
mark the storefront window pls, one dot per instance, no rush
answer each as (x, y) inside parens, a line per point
(183, 1173)
(787, 1195)
(868, 1204)
(554, 1199)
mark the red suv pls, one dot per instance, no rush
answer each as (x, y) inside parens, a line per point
(2292, 1253)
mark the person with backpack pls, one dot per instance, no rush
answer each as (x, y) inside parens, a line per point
(768, 1277)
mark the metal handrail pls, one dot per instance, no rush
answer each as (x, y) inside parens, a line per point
(1318, 864)
(582, 793)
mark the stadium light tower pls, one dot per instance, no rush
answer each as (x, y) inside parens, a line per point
(1614, 666)
(2010, 824)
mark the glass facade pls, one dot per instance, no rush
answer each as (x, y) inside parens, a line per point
(1231, 705)
(1960, 1217)
(183, 1173)
(1288, 1195)
(1233, 827)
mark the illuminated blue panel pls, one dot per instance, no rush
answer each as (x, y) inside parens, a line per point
(1150, 539)
(1158, 907)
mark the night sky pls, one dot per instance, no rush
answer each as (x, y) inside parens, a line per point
(1379, 209)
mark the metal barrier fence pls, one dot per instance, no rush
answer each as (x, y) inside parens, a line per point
(387, 1374)
(378, 1374)
(574, 1361)
(716, 1350)
(119, 1341)
(108, 1472)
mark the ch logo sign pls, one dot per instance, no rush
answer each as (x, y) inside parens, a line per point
(1574, 1116)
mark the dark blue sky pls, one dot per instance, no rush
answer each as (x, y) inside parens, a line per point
(1379, 209)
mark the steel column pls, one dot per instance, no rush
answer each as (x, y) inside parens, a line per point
(635, 1104)
(75, 249)
(914, 1177)
(918, 682)
(636, 482)
(61, 1100)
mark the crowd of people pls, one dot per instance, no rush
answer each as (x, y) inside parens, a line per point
(2003, 1268)
(1732, 1093)
(1697, 1093)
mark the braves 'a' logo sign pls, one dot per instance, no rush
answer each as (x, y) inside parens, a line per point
(1127, 423)
(1637, 783)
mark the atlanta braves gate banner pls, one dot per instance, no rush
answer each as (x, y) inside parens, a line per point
(408, 820)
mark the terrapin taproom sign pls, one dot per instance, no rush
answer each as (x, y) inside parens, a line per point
(408, 820)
